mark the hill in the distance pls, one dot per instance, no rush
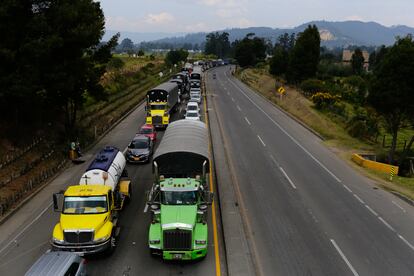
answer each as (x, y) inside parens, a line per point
(333, 34)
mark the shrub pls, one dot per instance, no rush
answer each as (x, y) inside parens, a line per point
(329, 69)
(115, 64)
(311, 86)
(355, 90)
(365, 124)
(323, 100)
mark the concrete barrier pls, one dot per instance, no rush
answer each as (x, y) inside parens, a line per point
(377, 166)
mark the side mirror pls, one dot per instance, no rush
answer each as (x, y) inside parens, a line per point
(58, 201)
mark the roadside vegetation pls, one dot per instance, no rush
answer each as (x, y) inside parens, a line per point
(359, 106)
(61, 85)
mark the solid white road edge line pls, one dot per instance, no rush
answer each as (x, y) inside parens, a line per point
(287, 134)
(344, 258)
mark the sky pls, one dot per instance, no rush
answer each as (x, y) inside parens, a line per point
(178, 16)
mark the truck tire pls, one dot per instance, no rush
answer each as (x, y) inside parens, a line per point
(112, 245)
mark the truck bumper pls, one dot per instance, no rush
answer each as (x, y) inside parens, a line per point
(81, 249)
(184, 255)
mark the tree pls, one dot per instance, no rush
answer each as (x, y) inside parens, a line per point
(115, 64)
(175, 56)
(217, 44)
(56, 59)
(249, 51)
(376, 56)
(126, 45)
(392, 88)
(280, 59)
(304, 57)
(279, 62)
(357, 62)
(141, 53)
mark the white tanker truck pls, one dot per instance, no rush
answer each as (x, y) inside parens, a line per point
(89, 211)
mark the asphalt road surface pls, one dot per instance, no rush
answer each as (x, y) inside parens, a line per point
(301, 210)
(26, 235)
(305, 211)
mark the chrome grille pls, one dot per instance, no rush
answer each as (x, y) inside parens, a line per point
(177, 239)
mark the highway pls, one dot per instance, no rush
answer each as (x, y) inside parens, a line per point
(26, 235)
(285, 203)
(304, 210)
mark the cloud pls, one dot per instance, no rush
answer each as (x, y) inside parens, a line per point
(158, 19)
(198, 27)
(231, 12)
(354, 18)
(241, 23)
(210, 2)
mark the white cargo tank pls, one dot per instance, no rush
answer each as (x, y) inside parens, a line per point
(106, 169)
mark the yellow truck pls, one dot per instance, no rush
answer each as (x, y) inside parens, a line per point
(88, 221)
(161, 103)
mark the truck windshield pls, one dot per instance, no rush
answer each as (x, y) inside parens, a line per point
(85, 205)
(157, 107)
(178, 198)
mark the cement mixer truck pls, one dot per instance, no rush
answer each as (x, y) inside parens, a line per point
(89, 211)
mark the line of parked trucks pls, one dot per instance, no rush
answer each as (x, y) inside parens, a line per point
(179, 196)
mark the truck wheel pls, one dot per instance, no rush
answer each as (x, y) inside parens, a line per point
(112, 246)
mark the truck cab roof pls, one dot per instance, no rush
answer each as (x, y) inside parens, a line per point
(180, 184)
(87, 190)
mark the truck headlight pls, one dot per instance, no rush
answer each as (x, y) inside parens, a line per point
(57, 241)
(200, 242)
(154, 241)
(101, 239)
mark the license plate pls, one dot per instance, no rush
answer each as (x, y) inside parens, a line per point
(177, 256)
(136, 158)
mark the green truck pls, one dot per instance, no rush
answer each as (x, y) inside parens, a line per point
(179, 197)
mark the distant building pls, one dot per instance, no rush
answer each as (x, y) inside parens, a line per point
(347, 56)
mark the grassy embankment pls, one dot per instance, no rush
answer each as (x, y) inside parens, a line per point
(330, 126)
(34, 164)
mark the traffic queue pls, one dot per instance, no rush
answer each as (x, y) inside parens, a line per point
(178, 198)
